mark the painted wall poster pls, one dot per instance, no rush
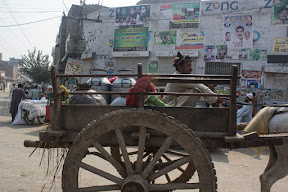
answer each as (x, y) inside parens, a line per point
(278, 94)
(252, 83)
(186, 12)
(280, 13)
(189, 40)
(257, 55)
(153, 67)
(182, 15)
(210, 53)
(134, 15)
(71, 83)
(221, 52)
(165, 38)
(238, 31)
(264, 94)
(251, 74)
(244, 54)
(131, 39)
(280, 45)
(73, 66)
(232, 54)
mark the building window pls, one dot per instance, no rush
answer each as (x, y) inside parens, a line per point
(219, 68)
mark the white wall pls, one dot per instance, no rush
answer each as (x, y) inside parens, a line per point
(212, 15)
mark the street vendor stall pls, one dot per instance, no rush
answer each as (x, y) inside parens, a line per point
(29, 110)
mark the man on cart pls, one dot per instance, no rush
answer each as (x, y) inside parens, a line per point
(183, 65)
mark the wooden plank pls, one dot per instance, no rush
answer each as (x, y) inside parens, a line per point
(205, 81)
(232, 104)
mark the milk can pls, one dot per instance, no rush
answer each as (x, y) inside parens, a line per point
(122, 84)
(100, 83)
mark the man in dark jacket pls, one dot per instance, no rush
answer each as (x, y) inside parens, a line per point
(17, 95)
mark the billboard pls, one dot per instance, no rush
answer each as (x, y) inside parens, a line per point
(131, 39)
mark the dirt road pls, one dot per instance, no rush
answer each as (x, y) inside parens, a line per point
(237, 170)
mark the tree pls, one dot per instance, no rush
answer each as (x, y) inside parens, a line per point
(36, 66)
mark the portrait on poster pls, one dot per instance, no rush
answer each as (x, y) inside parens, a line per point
(165, 38)
(238, 31)
(252, 83)
(134, 15)
(221, 52)
(244, 54)
(280, 13)
(210, 53)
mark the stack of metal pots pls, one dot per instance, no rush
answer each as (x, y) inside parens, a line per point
(100, 83)
(122, 84)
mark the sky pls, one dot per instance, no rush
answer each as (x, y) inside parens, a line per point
(29, 24)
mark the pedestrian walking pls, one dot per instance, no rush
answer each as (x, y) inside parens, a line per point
(17, 95)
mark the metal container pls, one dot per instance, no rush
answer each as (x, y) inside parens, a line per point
(120, 101)
(100, 83)
(122, 84)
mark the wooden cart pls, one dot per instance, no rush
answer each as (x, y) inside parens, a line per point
(149, 148)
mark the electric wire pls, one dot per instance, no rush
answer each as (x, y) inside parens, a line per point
(30, 22)
(65, 5)
(4, 1)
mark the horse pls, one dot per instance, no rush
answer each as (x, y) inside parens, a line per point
(272, 120)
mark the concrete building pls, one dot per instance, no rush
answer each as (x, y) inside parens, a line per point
(11, 71)
(198, 28)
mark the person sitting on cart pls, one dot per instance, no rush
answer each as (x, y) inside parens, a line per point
(244, 114)
(183, 65)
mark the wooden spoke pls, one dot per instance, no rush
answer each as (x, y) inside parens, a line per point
(101, 173)
(100, 188)
(125, 155)
(173, 186)
(166, 175)
(157, 156)
(176, 153)
(109, 158)
(169, 168)
(141, 147)
(169, 160)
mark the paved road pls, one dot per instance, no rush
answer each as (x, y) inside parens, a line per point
(237, 170)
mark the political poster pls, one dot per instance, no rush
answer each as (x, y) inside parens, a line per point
(134, 15)
(252, 83)
(251, 74)
(244, 54)
(278, 94)
(131, 39)
(221, 52)
(264, 94)
(257, 55)
(182, 15)
(165, 38)
(210, 53)
(280, 13)
(153, 67)
(280, 45)
(186, 12)
(190, 40)
(232, 54)
(238, 31)
(73, 66)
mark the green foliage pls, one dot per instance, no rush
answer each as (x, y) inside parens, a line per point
(36, 66)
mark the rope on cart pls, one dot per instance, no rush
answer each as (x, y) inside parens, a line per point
(64, 92)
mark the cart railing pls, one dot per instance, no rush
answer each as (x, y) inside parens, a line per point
(157, 79)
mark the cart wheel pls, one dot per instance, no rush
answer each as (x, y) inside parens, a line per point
(26, 119)
(180, 176)
(85, 172)
(41, 119)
